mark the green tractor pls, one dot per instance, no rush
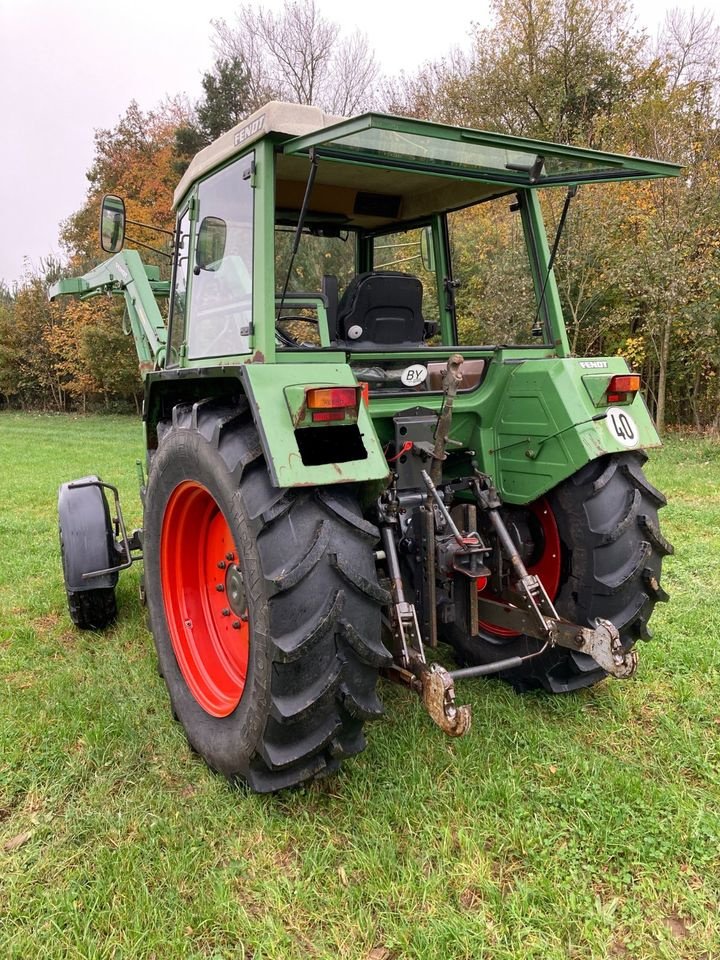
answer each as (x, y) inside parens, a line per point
(346, 466)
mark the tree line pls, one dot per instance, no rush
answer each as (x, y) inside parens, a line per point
(638, 265)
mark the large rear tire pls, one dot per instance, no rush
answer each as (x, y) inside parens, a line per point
(608, 566)
(271, 649)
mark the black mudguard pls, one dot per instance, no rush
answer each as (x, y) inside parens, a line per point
(86, 536)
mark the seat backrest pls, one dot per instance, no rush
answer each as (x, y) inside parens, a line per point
(381, 308)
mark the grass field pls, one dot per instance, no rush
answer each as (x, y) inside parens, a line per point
(573, 827)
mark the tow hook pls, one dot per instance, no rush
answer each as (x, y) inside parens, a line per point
(438, 696)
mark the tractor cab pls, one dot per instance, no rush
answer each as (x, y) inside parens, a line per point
(300, 231)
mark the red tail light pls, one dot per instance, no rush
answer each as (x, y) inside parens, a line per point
(623, 386)
(322, 416)
(332, 398)
(624, 383)
(332, 403)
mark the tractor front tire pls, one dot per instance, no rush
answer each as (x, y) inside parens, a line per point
(92, 609)
(264, 604)
(610, 555)
(87, 545)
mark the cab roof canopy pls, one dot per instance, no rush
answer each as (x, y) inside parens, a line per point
(399, 169)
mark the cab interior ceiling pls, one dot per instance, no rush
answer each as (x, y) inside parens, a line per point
(371, 197)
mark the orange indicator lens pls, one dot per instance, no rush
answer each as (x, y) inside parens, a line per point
(624, 383)
(332, 398)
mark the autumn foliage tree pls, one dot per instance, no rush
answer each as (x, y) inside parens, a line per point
(225, 101)
(135, 161)
(638, 266)
(63, 354)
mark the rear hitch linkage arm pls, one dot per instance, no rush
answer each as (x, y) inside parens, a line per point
(432, 682)
(531, 610)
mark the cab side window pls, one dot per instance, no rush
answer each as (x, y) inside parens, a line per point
(220, 314)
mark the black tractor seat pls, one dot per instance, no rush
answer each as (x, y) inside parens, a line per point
(381, 308)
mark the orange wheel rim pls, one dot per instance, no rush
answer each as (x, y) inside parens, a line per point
(547, 566)
(204, 598)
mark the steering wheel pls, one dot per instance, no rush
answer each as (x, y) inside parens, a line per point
(287, 339)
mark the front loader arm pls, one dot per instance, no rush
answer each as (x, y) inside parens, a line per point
(140, 284)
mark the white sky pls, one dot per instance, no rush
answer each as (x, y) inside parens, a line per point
(68, 67)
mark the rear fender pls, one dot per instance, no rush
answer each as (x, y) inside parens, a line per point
(549, 424)
(271, 389)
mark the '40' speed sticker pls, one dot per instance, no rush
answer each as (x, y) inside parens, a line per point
(622, 426)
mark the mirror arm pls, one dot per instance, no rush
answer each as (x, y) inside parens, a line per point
(149, 226)
(148, 247)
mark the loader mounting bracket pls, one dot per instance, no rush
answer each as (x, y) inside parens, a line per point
(129, 547)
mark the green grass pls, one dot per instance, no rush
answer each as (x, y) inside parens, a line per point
(570, 827)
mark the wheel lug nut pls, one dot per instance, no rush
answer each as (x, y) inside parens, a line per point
(243, 617)
(221, 565)
(236, 625)
(220, 588)
(226, 612)
(229, 556)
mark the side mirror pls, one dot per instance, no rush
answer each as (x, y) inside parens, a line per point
(112, 224)
(427, 251)
(210, 246)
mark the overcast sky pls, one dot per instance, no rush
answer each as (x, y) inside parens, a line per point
(68, 68)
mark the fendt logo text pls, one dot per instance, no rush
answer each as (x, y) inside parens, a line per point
(249, 130)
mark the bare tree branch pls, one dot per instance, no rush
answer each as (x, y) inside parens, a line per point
(690, 44)
(300, 56)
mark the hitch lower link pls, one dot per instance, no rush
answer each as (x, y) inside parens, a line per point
(528, 609)
(431, 681)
